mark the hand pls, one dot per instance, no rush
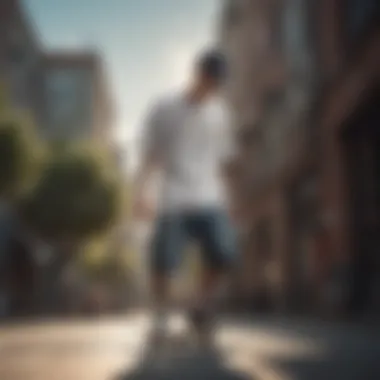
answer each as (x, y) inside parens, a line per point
(142, 209)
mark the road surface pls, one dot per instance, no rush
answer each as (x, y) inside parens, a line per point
(116, 349)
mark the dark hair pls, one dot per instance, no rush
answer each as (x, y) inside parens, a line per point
(212, 64)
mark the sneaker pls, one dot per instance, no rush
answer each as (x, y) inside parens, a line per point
(158, 330)
(153, 349)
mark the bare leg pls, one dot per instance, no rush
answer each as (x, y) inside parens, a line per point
(210, 286)
(208, 292)
(160, 293)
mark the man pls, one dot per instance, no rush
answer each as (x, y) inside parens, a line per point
(188, 138)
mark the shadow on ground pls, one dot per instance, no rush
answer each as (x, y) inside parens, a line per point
(180, 361)
(340, 360)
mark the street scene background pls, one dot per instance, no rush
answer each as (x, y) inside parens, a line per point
(76, 81)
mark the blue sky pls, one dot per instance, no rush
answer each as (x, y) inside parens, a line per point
(147, 45)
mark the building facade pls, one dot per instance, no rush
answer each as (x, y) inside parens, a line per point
(20, 54)
(303, 85)
(66, 95)
(77, 105)
(271, 88)
(349, 163)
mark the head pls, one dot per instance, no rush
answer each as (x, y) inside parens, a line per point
(210, 72)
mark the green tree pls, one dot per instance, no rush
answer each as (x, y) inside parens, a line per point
(112, 271)
(76, 198)
(19, 151)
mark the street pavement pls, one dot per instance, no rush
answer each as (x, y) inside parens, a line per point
(250, 348)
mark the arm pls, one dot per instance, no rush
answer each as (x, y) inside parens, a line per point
(149, 163)
(142, 178)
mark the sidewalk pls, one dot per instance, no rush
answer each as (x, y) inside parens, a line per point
(247, 348)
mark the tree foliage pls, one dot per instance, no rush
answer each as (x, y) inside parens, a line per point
(112, 271)
(19, 150)
(76, 197)
(101, 265)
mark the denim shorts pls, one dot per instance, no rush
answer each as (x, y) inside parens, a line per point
(210, 229)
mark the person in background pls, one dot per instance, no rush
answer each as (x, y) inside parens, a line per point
(188, 140)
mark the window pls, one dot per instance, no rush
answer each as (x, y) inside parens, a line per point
(276, 32)
(62, 81)
(295, 31)
(232, 13)
(17, 47)
(264, 239)
(61, 95)
(359, 15)
(70, 101)
(295, 28)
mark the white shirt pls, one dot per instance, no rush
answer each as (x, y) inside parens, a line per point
(190, 141)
